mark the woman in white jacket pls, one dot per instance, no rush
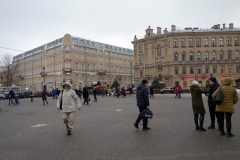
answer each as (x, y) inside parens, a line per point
(70, 104)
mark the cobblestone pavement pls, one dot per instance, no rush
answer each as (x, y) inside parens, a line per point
(105, 131)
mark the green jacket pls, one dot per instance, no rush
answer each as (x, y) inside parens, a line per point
(197, 102)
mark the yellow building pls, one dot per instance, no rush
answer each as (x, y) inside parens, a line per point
(181, 55)
(76, 60)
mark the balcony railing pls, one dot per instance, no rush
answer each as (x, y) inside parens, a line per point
(67, 80)
(67, 69)
(43, 73)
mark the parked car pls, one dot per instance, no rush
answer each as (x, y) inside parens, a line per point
(23, 94)
(2, 96)
(167, 90)
(37, 93)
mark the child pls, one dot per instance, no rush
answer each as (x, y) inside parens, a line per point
(16, 97)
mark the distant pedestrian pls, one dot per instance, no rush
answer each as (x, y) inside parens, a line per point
(44, 96)
(106, 92)
(226, 107)
(85, 96)
(80, 93)
(142, 103)
(16, 97)
(214, 85)
(123, 92)
(180, 91)
(102, 92)
(31, 95)
(197, 104)
(95, 94)
(70, 103)
(176, 90)
(10, 96)
(151, 92)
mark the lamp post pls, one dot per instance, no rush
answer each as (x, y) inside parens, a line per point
(131, 73)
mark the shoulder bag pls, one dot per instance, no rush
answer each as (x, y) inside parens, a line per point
(146, 113)
(219, 97)
(61, 101)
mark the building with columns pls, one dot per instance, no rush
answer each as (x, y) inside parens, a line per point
(76, 60)
(181, 55)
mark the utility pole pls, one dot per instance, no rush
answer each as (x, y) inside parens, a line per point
(131, 72)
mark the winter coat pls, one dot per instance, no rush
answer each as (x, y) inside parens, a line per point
(213, 88)
(70, 101)
(197, 102)
(11, 94)
(142, 96)
(176, 89)
(151, 90)
(85, 95)
(230, 97)
(95, 92)
(44, 94)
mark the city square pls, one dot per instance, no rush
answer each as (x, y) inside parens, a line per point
(104, 130)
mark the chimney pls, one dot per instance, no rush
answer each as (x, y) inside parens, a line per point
(218, 26)
(173, 28)
(159, 30)
(224, 26)
(165, 31)
(135, 38)
(230, 25)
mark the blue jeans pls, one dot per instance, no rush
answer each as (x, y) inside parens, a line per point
(10, 99)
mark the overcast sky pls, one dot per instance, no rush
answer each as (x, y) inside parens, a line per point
(27, 24)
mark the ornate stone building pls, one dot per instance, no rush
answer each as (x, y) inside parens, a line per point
(76, 60)
(179, 56)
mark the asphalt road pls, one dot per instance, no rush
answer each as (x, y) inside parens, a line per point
(105, 131)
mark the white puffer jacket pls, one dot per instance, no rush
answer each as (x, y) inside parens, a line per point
(70, 101)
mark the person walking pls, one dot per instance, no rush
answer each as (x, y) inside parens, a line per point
(226, 107)
(10, 96)
(44, 96)
(176, 90)
(102, 92)
(95, 94)
(16, 97)
(85, 96)
(180, 91)
(106, 92)
(197, 104)
(70, 103)
(214, 85)
(123, 92)
(151, 92)
(31, 95)
(142, 103)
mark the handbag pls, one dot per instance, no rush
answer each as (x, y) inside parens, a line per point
(61, 101)
(146, 113)
(219, 97)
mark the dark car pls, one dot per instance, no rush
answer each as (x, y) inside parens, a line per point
(23, 94)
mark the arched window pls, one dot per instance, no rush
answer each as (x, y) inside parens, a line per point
(159, 51)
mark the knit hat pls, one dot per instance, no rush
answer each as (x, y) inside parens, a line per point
(213, 79)
(144, 81)
(67, 84)
(195, 82)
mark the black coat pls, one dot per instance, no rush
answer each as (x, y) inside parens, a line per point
(95, 92)
(85, 95)
(142, 96)
(213, 88)
(151, 90)
(11, 94)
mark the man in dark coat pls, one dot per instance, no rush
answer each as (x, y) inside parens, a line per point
(151, 92)
(214, 85)
(85, 96)
(80, 93)
(10, 96)
(142, 103)
(44, 96)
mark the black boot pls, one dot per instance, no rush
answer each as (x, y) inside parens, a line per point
(137, 121)
(201, 122)
(229, 127)
(196, 121)
(212, 126)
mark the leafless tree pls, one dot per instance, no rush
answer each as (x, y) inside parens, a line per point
(8, 70)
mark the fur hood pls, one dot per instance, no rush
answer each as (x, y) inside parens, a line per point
(67, 84)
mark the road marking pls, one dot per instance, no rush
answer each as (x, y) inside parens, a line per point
(119, 110)
(39, 125)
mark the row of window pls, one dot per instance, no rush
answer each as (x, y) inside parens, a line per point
(214, 70)
(206, 56)
(93, 77)
(205, 42)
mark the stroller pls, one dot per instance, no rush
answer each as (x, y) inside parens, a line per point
(16, 97)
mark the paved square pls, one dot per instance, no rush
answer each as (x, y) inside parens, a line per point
(105, 131)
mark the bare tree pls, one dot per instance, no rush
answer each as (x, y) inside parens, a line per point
(9, 70)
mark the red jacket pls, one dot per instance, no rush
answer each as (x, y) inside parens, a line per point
(176, 89)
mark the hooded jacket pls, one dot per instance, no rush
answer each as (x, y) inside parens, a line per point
(230, 97)
(213, 88)
(142, 96)
(70, 101)
(197, 102)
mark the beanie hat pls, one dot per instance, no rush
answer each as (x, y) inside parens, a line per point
(213, 79)
(144, 81)
(195, 82)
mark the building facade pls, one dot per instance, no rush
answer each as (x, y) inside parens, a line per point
(76, 60)
(179, 56)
